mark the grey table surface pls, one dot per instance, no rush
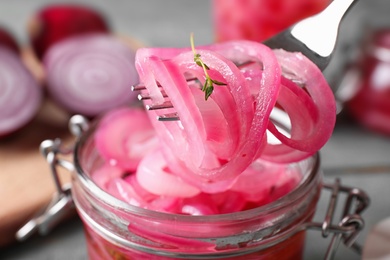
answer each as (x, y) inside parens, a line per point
(351, 154)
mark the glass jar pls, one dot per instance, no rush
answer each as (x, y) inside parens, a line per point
(117, 230)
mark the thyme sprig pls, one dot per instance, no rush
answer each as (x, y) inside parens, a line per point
(208, 86)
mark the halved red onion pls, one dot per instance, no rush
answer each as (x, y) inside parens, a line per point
(57, 22)
(90, 74)
(20, 94)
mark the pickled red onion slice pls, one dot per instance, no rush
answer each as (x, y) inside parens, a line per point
(124, 137)
(154, 186)
(276, 180)
(154, 175)
(105, 173)
(122, 190)
(90, 74)
(314, 126)
(20, 94)
(185, 141)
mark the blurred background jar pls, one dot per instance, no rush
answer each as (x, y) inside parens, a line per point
(368, 79)
(258, 20)
(360, 72)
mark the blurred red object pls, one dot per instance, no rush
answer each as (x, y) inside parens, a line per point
(370, 104)
(7, 40)
(57, 22)
(258, 20)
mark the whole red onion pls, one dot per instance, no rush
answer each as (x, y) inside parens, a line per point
(20, 94)
(90, 74)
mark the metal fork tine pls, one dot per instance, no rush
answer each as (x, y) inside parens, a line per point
(168, 117)
(145, 96)
(166, 104)
(142, 87)
(138, 87)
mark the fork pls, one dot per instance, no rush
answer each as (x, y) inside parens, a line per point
(315, 37)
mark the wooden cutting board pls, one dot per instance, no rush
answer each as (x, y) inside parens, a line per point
(26, 185)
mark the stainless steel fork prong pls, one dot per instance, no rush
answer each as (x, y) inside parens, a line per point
(165, 105)
(168, 117)
(145, 96)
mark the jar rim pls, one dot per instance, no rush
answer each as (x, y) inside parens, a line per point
(92, 188)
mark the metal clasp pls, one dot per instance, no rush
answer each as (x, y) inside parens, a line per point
(351, 223)
(61, 205)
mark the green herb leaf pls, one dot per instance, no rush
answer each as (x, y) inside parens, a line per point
(219, 83)
(208, 86)
(208, 92)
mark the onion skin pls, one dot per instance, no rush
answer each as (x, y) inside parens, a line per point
(90, 74)
(21, 95)
(57, 22)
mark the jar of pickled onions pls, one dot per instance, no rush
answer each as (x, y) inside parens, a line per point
(116, 230)
(370, 102)
(258, 20)
(275, 229)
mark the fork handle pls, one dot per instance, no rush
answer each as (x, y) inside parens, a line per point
(324, 26)
(315, 36)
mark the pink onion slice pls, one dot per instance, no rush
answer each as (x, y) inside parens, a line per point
(252, 117)
(317, 98)
(154, 175)
(90, 74)
(244, 106)
(276, 180)
(122, 190)
(125, 136)
(20, 94)
(105, 173)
